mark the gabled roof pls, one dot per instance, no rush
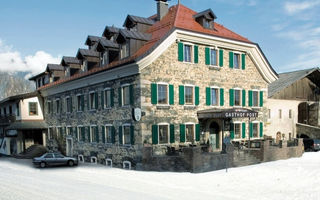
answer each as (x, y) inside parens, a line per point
(86, 52)
(105, 44)
(19, 96)
(288, 78)
(109, 31)
(207, 13)
(70, 60)
(136, 19)
(135, 35)
(92, 39)
(33, 78)
(54, 67)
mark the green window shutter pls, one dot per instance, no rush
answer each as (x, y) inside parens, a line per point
(171, 94)
(207, 53)
(261, 98)
(251, 130)
(88, 133)
(182, 133)
(243, 97)
(112, 97)
(232, 130)
(261, 129)
(154, 134)
(243, 59)
(131, 88)
(243, 130)
(82, 102)
(208, 96)
(221, 97)
(88, 102)
(154, 93)
(250, 98)
(231, 59)
(196, 54)
(221, 57)
(197, 132)
(132, 135)
(96, 98)
(113, 135)
(120, 135)
(103, 135)
(231, 97)
(83, 133)
(180, 51)
(196, 91)
(120, 96)
(97, 133)
(102, 99)
(181, 94)
(172, 139)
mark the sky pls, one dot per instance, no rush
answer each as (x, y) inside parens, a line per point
(36, 32)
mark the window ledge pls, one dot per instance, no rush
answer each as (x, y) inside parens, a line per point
(214, 67)
(163, 107)
(189, 107)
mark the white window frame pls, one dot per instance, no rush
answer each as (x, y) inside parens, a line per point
(194, 132)
(79, 133)
(92, 104)
(105, 133)
(67, 130)
(194, 94)
(91, 134)
(57, 130)
(162, 83)
(93, 160)
(218, 56)
(105, 99)
(240, 59)
(123, 142)
(66, 102)
(258, 127)
(58, 111)
(50, 135)
(79, 103)
(164, 124)
(48, 106)
(234, 97)
(81, 158)
(218, 100)
(258, 100)
(122, 94)
(192, 52)
(234, 123)
(37, 109)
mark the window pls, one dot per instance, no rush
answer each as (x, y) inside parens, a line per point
(207, 24)
(237, 97)
(33, 108)
(236, 60)
(237, 131)
(50, 133)
(255, 130)
(94, 134)
(290, 114)
(58, 106)
(10, 110)
(17, 109)
(68, 105)
(69, 130)
(84, 65)
(125, 50)
(104, 58)
(5, 111)
(81, 133)
(189, 95)
(49, 155)
(92, 97)
(189, 132)
(80, 102)
(214, 96)
(107, 98)
(162, 94)
(49, 107)
(163, 134)
(280, 113)
(108, 134)
(58, 155)
(187, 53)
(269, 114)
(213, 57)
(126, 95)
(126, 134)
(255, 98)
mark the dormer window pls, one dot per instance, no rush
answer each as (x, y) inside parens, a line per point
(124, 50)
(104, 58)
(206, 19)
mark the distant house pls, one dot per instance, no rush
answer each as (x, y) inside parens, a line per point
(21, 123)
(293, 105)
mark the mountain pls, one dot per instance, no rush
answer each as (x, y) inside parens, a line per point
(14, 84)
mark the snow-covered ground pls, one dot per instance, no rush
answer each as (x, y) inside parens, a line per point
(297, 178)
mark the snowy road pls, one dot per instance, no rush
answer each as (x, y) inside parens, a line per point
(297, 178)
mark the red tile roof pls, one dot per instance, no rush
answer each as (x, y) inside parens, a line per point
(179, 17)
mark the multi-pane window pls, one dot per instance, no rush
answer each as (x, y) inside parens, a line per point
(290, 114)
(68, 104)
(33, 108)
(107, 98)
(92, 97)
(126, 135)
(126, 95)
(108, 134)
(255, 130)
(162, 94)
(69, 130)
(189, 132)
(213, 57)
(255, 98)
(80, 102)
(81, 133)
(236, 60)
(17, 109)
(237, 130)
(187, 53)
(58, 108)
(237, 97)
(124, 50)
(93, 134)
(163, 134)
(104, 59)
(214, 96)
(189, 94)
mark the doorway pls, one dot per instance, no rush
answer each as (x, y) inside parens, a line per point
(214, 137)
(69, 149)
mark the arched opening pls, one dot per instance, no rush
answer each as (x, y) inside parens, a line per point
(302, 136)
(214, 137)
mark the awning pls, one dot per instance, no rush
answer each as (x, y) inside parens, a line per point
(27, 125)
(227, 113)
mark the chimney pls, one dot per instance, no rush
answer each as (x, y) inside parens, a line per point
(162, 8)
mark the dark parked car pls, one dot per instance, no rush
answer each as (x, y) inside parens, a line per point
(311, 144)
(54, 159)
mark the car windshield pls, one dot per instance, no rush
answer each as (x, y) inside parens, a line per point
(58, 155)
(48, 155)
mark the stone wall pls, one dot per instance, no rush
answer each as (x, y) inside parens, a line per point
(307, 130)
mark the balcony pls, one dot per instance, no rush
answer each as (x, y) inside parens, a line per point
(7, 119)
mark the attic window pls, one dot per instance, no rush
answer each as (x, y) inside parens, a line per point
(206, 19)
(207, 24)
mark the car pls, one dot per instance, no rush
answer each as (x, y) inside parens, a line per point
(311, 144)
(54, 159)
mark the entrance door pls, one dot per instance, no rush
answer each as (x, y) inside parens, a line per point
(214, 137)
(69, 147)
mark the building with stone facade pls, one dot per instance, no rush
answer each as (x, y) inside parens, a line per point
(173, 80)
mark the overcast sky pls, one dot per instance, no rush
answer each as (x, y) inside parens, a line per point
(35, 32)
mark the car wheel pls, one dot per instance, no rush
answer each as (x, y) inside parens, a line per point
(70, 163)
(42, 164)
